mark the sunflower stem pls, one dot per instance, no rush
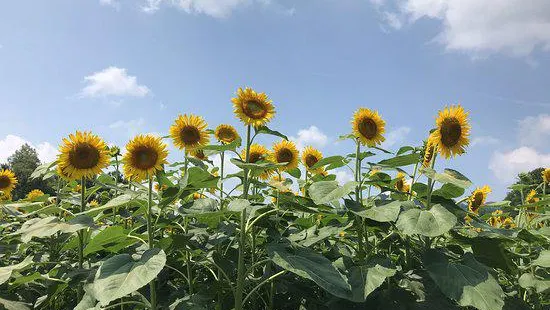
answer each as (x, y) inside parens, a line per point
(152, 284)
(222, 158)
(412, 181)
(81, 233)
(358, 219)
(115, 210)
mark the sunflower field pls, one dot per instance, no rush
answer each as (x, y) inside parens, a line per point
(129, 230)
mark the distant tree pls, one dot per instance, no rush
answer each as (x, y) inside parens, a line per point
(533, 177)
(23, 162)
(4, 166)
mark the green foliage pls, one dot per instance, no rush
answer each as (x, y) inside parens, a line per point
(23, 162)
(531, 179)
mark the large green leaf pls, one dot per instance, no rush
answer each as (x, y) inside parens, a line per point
(266, 131)
(400, 161)
(448, 176)
(365, 279)
(14, 305)
(327, 191)
(430, 223)
(467, 281)
(200, 178)
(331, 162)
(313, 235)
(492, 252)
(384, 213)
(310, 265)
(49, 226)
(527, 280)
(108, 238)
(449, 191)
(120, 275)
(5, 272)
(543, 260)
(114, 203)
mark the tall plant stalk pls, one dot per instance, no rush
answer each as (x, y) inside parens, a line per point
(358, 219)
(152, 284)
(81, 233)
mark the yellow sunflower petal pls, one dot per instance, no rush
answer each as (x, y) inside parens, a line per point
(452, 131)
(285, 152)
(145, 155)
(478, 198)
(253, 108)
(189, 132)
(7, 181)
(226, 133)
(311, 156)
(368, 127)
(82, 155)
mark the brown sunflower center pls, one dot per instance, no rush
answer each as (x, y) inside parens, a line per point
(478, 200)
(368, 128)
(400, 185)
(254, 157)
(190, 135)
(451, 131)
(144, 158)
(84, 156)
(311, 160)
(226, 135)
(254, 109)
(284, 156)
(5, 181)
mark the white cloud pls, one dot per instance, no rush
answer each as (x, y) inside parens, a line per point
(132, 127)
(214, 8)
(396, 136)
(111, 3)
(343, 176)
(513, 27)
(113, 81)
(484, 140)
(535, 130)
(311, 136)
(506, 166)
(11, 143)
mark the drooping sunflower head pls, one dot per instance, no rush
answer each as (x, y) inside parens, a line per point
(253, 108)
(531, 197)
(7, 181)
(478, 198)
(145, 155)
(368, 127)
(35, 193)
(189, 132)
(429, 151)
(257, 153)
(495, 221)
(401, 184)
(83, 155)
(198, 154)
(311, 156)
(226, 133)
(546, 175)
(285, 152)
(452, 131)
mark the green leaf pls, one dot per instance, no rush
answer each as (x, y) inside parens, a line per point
(448, 176)
(295, 173)
(449, 191)
(527, 280)
(87, 303)
(266, 131)
(404, 149)
(120, 275)
(400, 161)
(49, 226)
(430, 223)
(200, 178)
(493, 253)
(331, 162)
(224, 147)
(543, 260)
(365, 279)
(113, 203)
(237, 205)
(308, 264)
(108, 237)
(385, 213)
(5, 272)
(467, 281)
(327, 191)
(14, 305)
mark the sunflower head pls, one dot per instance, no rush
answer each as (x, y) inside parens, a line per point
(495, 221)
(5, 196)
(401, 184)
(310, 156)
(159, 188)
(94, 203)
(35, 193)
(478, 198)
(7, 181)
(226, 133)
(368, 127)
(198, 154)
(285, 152)
(509, 223)
(452, 131)
(258, 153)
(145, 155)
(253, 108)
(429, 151)
(189, 132)
(531, 197)
(82, 155)
(546, 175)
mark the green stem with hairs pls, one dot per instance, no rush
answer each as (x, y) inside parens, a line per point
(152, 284)
(81, 233)
(358, 219)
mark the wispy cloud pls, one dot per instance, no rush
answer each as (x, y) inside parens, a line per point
(113, 81)
(311, 136)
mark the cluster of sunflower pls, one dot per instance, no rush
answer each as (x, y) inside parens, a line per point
(8, 181)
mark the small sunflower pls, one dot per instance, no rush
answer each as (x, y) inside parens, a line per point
(83, 155)
(452, 132)
(257, 153)
(401, 184)
(93, 203)
(368, 127)
(285, 152)
(429, 151)
(495, 221)
(145, 155)
(310, 157)
(253, 108)
(478, 198)
(159, 188)
(5, 196)
(7, 181)
(546, 175)
(189, 132)
(35, 193)
(226, 133)
(199, 154)
(531, 197)
(197, 195)
(508, 223)
(77, 188)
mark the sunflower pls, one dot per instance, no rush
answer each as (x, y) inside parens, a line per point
(197, 195)
(257, 153)
(468, 219)
(285, 152)
(495, 221)
(429, 151)
(226, 133)
(310, 157)
(159, 188)
(368, 126)
(83, 155)
(477, 199)
(198, 154)
(452, 132)
(7, 181)
(508, 223)
(145, 155)
(5, 196)
(253, 108)
(546, 175)
(189, 132)
(93, 203)
(401, 184)
(531, 197)
(35, 193)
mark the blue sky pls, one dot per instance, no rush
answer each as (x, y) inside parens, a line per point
(121, 67)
